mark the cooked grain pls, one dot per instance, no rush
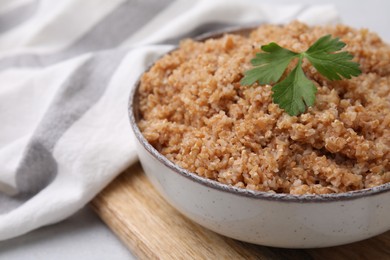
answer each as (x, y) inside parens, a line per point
(196, 113)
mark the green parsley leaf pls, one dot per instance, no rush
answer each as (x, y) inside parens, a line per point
(334, 66)
(296, 91)
(270, 65)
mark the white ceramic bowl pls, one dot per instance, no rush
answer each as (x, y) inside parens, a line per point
(279, 220)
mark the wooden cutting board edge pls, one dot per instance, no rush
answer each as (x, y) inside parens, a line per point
(152, 229)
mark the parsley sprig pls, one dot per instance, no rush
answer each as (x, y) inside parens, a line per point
(296, 91)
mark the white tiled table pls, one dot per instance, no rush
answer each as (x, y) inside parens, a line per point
(84, 236)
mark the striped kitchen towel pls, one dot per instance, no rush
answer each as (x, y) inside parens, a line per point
(66, 70)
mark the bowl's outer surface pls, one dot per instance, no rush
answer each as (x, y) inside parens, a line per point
(289, 224)
(262, 218)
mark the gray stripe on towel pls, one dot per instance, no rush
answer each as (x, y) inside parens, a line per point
(199, 30)
(17, 16)
(82, 89)
(111, 31)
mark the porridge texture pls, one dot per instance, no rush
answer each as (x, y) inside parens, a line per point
(195, 112)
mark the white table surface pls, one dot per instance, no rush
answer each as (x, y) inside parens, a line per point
(84, 236)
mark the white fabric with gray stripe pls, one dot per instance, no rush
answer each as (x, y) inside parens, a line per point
(66, 69)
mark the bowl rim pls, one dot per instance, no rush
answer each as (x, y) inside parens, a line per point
(133, 114)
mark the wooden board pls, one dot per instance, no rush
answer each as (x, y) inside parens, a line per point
(152, 229)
